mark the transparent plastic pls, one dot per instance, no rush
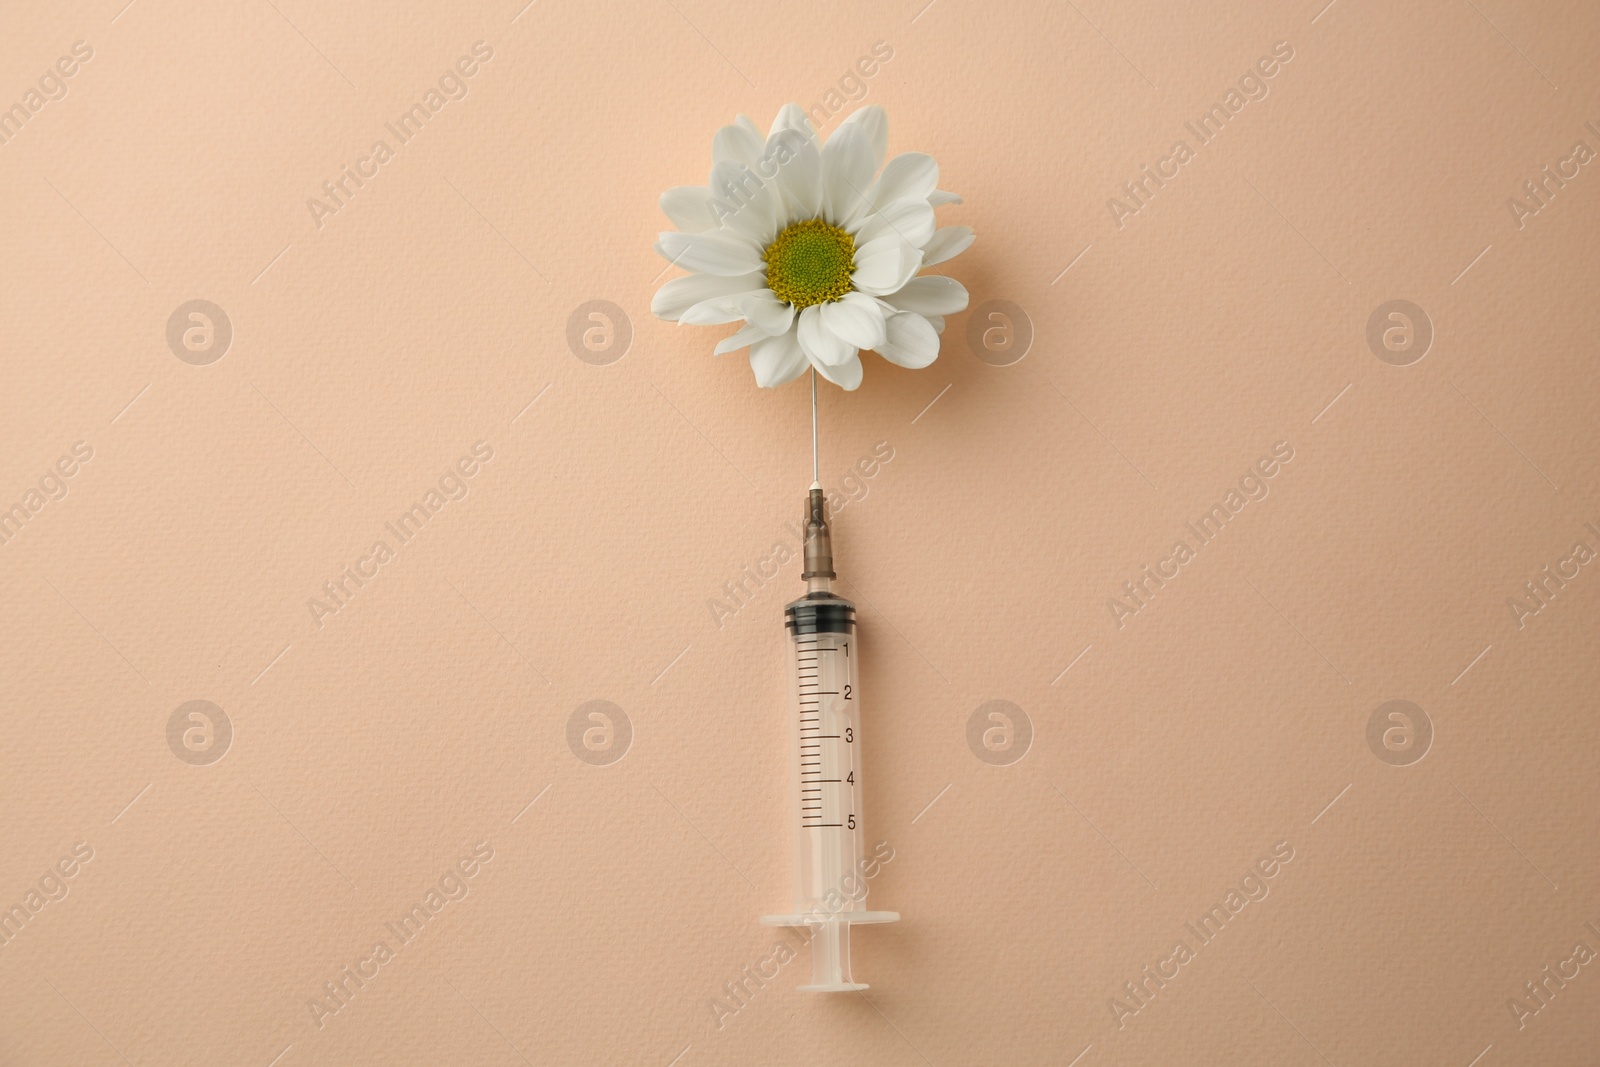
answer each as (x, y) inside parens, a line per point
(829, 884)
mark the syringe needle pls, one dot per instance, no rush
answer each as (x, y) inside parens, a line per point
(816, 477)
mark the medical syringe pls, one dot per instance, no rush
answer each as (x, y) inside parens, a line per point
(830, 889)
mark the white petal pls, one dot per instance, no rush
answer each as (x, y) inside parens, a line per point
(689, 208)
(912, 341)
(822, 346)
(884, 265)
(790, 117)
(876, 122)
(767, 312)
(714, 311)
(738, 143)
(910, 219)
(908, 174)
(846, 375)
(777, 360)
(745, 204)
(857, 319)
(932, 294)
(936, 321)
(948, 242)
(741, 339)
(847, 169)
(793, 157)
(799, 175)
(939, 198)
(721, 253)
(680, 294)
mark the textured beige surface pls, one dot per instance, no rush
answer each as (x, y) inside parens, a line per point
(389, 749)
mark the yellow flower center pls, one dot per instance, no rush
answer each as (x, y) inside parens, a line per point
(810, 262)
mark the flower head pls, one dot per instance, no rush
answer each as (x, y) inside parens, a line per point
(813, 249)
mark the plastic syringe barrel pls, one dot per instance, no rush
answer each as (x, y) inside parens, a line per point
(829, 884)
(825, 756)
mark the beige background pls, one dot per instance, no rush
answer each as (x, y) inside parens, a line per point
(372, 752)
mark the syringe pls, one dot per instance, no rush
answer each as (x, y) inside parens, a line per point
(830, 889)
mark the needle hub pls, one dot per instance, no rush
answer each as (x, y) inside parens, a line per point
(818, 541)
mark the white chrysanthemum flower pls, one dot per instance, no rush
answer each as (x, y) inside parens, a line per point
(813, 250)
